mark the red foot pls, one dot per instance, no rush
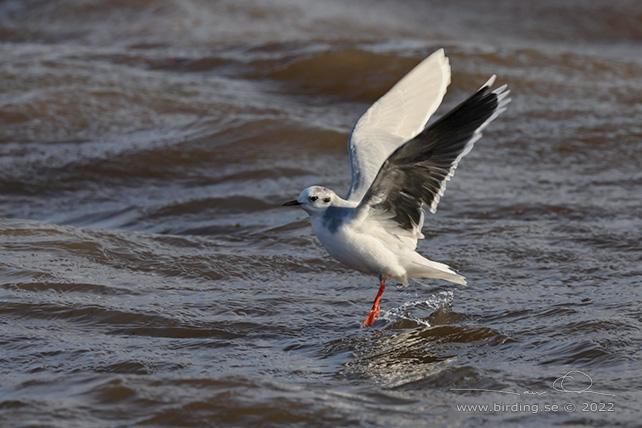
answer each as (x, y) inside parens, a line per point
(373, 315)
(374, 312)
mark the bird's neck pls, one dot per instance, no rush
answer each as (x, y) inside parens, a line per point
(338, 201)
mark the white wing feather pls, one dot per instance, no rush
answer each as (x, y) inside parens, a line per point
(395, 118)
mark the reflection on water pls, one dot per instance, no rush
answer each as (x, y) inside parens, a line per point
(148, 275)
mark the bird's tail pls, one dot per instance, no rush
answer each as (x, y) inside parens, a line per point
(421, 267)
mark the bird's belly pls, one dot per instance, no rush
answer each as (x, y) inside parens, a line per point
(351, 255)
(361, 251)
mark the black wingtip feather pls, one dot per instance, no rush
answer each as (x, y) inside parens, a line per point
(448, 136)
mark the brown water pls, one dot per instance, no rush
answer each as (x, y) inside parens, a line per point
(150, 277)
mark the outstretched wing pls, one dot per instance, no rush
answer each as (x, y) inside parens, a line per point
(395, 118)
(417, 172)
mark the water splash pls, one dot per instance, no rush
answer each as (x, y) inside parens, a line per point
(409, 310)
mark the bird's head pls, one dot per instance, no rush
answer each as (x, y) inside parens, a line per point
(314, 199)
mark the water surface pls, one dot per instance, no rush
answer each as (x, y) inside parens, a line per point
(150, 277)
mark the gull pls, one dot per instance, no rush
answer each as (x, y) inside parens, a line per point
(399, 165)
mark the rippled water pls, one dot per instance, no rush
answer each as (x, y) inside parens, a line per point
(150, 276)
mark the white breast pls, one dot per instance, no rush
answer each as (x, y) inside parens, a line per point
(361, 251)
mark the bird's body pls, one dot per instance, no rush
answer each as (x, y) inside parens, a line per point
(398, 165)
(351, 243)
(365, 244)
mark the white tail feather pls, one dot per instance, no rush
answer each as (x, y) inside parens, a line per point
(421, 267)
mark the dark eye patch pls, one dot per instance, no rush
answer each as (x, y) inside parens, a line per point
(313, 198)
(326, 200)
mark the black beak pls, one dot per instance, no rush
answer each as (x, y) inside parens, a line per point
(291, 203)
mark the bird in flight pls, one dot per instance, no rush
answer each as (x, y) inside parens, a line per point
(399, 165)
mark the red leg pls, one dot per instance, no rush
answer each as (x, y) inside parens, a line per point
(374, 313)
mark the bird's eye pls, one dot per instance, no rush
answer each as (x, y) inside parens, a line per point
(313, 198)
(326, 200)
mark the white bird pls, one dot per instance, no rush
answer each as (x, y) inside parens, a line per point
(398, 165)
